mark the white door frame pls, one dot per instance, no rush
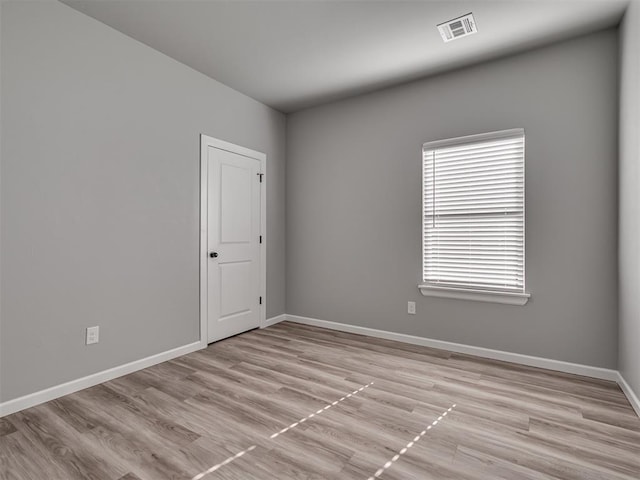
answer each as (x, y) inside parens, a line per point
(205, 143)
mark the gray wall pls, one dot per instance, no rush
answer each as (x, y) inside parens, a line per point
(629, 259)
(354, 193)
(100, 195)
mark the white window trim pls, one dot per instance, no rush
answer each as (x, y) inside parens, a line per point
(477, 295)
(506, 298)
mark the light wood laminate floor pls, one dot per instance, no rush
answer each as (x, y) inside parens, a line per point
(197, 413)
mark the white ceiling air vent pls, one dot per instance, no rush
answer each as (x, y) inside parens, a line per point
(458, 28)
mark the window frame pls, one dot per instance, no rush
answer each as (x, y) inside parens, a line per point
(470, 293)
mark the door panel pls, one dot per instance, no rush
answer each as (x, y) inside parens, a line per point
(235, 199)
(234, 296)
(233, 233)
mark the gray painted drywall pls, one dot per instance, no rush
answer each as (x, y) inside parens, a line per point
(354, 193)
(629, 259)
(100, 195)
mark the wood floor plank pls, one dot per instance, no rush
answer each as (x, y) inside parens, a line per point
(6, 427)
(533, 453)
(22, 459)
(488, 466)
(81, 460)
(126, 409)
(180, 418)
(129, 476)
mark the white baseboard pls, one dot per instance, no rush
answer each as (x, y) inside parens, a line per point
(634, 400)
(557, 365)
(48, 394)
(273, 320)
(58, 391)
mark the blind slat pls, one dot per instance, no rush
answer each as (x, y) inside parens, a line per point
(488, 178)
(509, 193)
(474, 156)
(477, 163)
(482, 145)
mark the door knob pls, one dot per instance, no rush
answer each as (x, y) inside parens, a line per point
(213, 254)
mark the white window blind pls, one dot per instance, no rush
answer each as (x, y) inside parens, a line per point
(473, 213)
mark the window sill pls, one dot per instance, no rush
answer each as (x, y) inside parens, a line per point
(477, 295)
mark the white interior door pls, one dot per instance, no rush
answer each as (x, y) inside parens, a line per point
(234, 240)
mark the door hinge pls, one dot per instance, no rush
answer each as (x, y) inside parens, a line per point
(260, 300)
(260, 175)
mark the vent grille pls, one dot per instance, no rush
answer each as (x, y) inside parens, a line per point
(458, 28)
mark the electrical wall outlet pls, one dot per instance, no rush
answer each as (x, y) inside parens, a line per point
(411, 308)
(93, 335)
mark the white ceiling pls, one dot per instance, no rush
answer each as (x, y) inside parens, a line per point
(293, 54)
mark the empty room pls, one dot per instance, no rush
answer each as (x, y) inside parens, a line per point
(313, 239)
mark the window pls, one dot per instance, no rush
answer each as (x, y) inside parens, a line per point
(473, 218)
